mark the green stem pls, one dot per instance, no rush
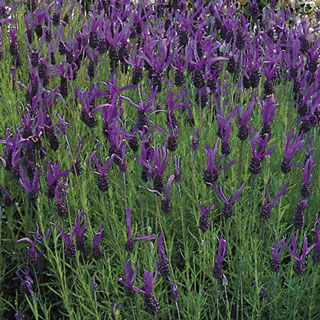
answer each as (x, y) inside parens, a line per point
(294, 299)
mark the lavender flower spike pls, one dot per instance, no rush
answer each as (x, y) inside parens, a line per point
(131, 289)
(299, 266)
(204, 223)
(96, 251)
(130, 241)
(289, 152)
(217, 270)
(227, 208)
(26, 283)
(174, 293)
(150, 300)
(164, 266)
(307, 176)
(33, 256)
(275, 253)
(81, 241)
(70, 248)
(210, 175)
(266, 209)
(32, 188)
(316, 251)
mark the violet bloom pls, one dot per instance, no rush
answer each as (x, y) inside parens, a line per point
(26, 282)
(298, 219)
(307, 176)
(172, 135)
(174, 292)
(217, 270)
(258, 153)
(80, 231)
(277, 248)
(60, 195)
(131, 289)
(210, 175)
(289, 152)
(33, 255)
(117, 311)
(195, 141)
(52, 178)
(316, 251)
(267, 111)
(266, 209)
(164, 266)
(130, 241)
(166, 205)
(7, 200)
(204, 223)
(150, 300)
(76, 165)
(102, 180)
(70, 248)
(227, 208)
(299, 266)
(96, 251)
(32, 188)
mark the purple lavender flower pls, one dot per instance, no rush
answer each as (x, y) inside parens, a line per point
(150, 300)
(316, 251)
(131, 289)
(81, 241)
(60, 194)
(96, 251)
(266, 209)
(117, 311)
(174, 292)
(33, 255)
(210, 175)
(307, 176)
(102, 180)
(172, 135)
(53, 177)
(275, 253)
(227, 208)
(130, 241)
(267, 111)
(204, 223)
(258, 153)
(164, 266)
(70, 248)
(195, 141)
(217, 270)
(289, 152)
(299, 266)
(26, 282)
(76, 165)
(32, 188)
(298, 219)
(7, 200)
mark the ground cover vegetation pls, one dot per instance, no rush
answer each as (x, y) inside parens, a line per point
(159, 160)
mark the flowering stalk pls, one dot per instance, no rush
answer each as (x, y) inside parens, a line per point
(217, 270)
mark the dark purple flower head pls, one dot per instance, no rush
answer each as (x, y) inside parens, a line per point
(7, 200)
(130, 240)
(299, 265)
(131, 289)
(217, 270)
(70, 248)
(53, 177)
(33, 255)
(195, 141)
(277, 248)
(164, 266)
(117, 311)
(266, 208)
(26, 282)
(174, 292)
(76, 165)
(32, 188)
(80, 231)
(212, 166)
